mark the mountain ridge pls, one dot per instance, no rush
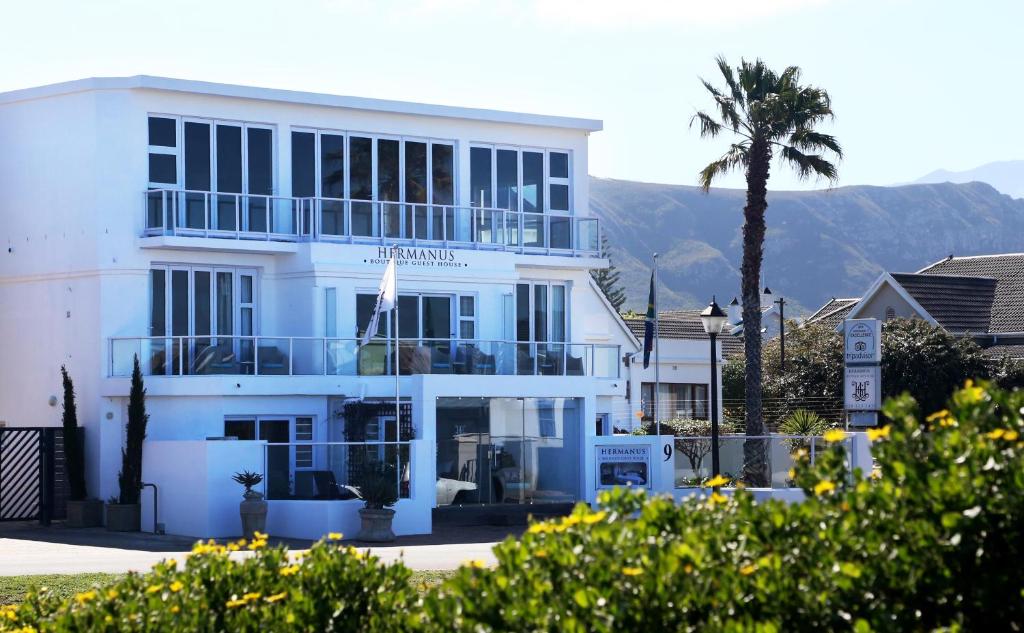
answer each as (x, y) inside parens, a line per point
(819, 243)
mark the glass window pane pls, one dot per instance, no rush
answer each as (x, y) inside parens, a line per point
(443, 169)
(467, 330)
(415, 172)
(163, 168)
(560, 197)
(201, 280)
(533, 182)
(558, 313)
(261, 161)
(246, 282)
(540, 312)
(332, 166)
(303, 164)
(241, 429)
(225, 304)
(480, 176)
(522, 312)
(229, 158)
(158, 303)
(364, 309)
(437, 317)
(179, 303)
(467, 306)
(162, 132)
(360, 168)
(508, 180)
(387, 170)
(559, 164)
(408, 316)
(245, 327)
(197, 156)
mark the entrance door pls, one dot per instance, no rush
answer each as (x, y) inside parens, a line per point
(278, 457)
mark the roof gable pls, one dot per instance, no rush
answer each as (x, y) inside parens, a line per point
(1007, 273)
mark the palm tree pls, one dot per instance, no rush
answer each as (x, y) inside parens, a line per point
(769, 115)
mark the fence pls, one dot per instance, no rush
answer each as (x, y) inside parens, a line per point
(693, 456)
(32, 474)
(774, 411)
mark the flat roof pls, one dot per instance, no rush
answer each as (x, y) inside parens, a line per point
(293, 96)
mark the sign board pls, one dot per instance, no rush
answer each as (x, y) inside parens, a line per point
(863, 388)
(863, 341)
(623, 465)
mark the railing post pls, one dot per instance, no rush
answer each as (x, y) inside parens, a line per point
(255, 356)
(291, 356)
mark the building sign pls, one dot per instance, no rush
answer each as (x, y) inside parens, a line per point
(623, 465)
(863, 341)
(863, 388)
(418, 257)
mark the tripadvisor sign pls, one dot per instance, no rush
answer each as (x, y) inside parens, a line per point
(862, 376)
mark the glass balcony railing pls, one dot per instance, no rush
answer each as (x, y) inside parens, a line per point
(275, 218)
(309, 356)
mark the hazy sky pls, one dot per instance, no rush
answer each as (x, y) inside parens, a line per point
(916, 85)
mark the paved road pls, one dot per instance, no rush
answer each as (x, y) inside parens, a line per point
(29, 549)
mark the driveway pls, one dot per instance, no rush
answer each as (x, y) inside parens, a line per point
(27, 548)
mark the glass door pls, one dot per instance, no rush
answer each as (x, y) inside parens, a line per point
(226, 208)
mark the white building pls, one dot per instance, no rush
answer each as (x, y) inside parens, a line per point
(232, 238)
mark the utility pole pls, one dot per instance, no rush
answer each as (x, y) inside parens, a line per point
(782, 332)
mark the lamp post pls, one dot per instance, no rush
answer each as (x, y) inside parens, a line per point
(781, 301)
(714, 319)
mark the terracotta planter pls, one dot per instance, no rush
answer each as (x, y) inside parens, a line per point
(85, 513)
(124, 517)
(254, 515)
(376, 527)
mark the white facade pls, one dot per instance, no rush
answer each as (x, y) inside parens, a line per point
(224, 234)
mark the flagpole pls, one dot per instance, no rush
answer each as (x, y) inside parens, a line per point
(657, 355)
(398, 409)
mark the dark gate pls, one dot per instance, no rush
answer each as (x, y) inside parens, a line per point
(32, 474)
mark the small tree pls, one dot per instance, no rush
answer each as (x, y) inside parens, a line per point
(608, 278)
(130, 478)
(74, 458)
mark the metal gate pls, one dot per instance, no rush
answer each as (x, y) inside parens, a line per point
(32, 476)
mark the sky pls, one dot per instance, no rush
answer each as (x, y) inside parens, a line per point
(916, 85)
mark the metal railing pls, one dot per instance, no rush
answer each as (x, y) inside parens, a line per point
(693, 456)
(311, 356)
(276, 218)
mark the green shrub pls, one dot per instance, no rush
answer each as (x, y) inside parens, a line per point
(332, 588)
(931, 540)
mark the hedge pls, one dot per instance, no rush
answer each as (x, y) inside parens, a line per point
(930, 540)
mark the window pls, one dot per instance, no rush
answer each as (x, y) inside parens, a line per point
(421, 316)
(516, 178)
(303, 433)
(676, 400)
(163, 152)
(467, 317)
(339, 166)
(890, 313)
(541, 312)
(298, 431)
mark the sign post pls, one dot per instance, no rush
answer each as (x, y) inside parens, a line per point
(862, 375)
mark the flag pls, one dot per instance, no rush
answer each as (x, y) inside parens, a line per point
(649, 325)
(386, 299)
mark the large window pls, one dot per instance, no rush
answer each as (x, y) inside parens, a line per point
(676, 400)
(220, 157)
(541, 314)
(404, 182)
(517, 179)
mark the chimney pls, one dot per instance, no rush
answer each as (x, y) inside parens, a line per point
(735, 311)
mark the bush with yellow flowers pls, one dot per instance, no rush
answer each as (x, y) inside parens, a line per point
(330, 588)
(933, 540)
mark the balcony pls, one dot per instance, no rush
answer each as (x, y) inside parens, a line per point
(307, 356)
(233, 216)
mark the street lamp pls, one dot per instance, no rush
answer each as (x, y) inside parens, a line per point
(714, 319)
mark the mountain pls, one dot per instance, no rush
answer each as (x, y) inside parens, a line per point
(819, 244)
(1006, 176)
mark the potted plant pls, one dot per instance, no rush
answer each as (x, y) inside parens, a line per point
(125, 514)
(379, 491)
(253, 508)
(82, 511)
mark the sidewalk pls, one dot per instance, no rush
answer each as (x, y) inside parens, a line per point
(27, 548)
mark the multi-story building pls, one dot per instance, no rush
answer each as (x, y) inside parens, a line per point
(232, 239)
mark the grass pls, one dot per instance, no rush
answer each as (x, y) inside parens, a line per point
(13, 588)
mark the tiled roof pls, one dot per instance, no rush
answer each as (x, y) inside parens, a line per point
(959, 303)
(1007, 307)
(998, 351)
(684, 324)
(833, 313)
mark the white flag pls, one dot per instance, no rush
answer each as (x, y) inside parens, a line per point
(386, 299)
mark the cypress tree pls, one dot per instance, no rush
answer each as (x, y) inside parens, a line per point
(130, 477)
(608, 278)
(74, 459)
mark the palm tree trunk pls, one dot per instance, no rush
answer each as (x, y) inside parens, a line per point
(755, 455)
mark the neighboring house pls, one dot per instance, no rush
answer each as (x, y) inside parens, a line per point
(771, 323)
(684, 366)
(233, 238)
(979, 297)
